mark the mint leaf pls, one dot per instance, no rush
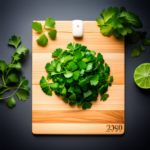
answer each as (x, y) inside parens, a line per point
(57, 52)
(14, 41)
(104, 97)
(11, 103)
(49, 23)
(42, 40)
(23, 95)
(52, 34)
(37, 26)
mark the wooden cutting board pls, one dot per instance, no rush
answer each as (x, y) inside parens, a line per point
(50, 115)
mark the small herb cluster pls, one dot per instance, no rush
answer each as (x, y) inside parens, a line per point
(121, 22)
(11, 80)
(78, 75)
(49, 24)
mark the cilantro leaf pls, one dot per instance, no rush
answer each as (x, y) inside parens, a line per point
(103, 89)
(86, 105)
(3, 66)
(72, 103)
(23, 95)
(72, 66)
(14, 41)
(136, 51)
(57, 52)
(76, 75)
(16, 57)
(11, 103)
(65, 100)
(22, 49)
(15, 66)
(51, 66)
(87, 94)
(146, 41)
(89, 67)
(42, 40)
(73, 46)
(94, 79)
(45, 86)
(111, 78)
(72, 97)
(13, 78)
(106, 30)
(111, 12)
(100, 21)
(37, 26)
(82, 64)
(104, 97)
(49, 23)
(68, 74)
(100, 58)
(52, 34)
(132, 19)
(125, 30)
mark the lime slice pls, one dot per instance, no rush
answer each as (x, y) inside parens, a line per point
(142, 76)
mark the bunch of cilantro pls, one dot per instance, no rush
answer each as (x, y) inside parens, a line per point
(8, 73)
(119, 22)
(49, 24)
(78, 75)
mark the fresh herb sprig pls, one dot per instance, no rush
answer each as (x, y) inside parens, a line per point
(120, 22)
(49, 24)
(78, 75)
(11, 80)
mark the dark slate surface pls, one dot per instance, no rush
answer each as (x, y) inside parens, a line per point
(16, 124)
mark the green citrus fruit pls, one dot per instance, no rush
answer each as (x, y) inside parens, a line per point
(142, 76)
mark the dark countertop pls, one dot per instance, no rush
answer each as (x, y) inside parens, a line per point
(16, 124)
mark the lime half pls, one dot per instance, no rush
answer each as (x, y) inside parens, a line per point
(142, 76)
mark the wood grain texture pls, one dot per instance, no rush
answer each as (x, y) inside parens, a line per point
(74, 128)
(50, 115)
(78, 116)
(92, 38)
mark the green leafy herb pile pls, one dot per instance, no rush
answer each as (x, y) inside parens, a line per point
(8, 73)
(78, 75)
(119, 22)
(49, 24)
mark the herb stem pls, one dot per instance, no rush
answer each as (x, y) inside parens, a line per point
(12, 94)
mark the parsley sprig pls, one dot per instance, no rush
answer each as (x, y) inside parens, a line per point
(120, 22)
(8, 73)
(78, 75)
(49, 24)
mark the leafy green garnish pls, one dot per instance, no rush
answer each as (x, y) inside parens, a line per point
(78, 75)
(37, 26)
(9, 75)
(42, 40)
(120, 22)
(49, 24)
